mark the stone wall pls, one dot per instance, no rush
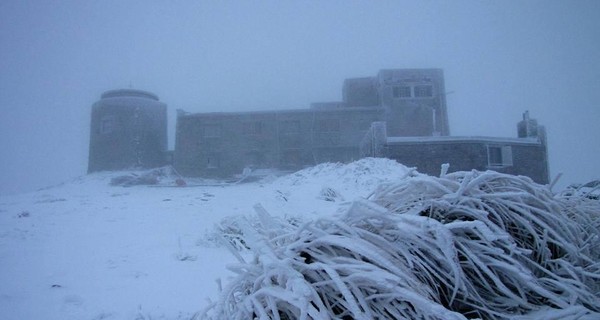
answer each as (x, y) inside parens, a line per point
(528, 159)
(223, 144)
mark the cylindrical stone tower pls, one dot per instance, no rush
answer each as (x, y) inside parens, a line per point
(128, 130)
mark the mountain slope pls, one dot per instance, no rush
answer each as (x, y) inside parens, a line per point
(89, 250)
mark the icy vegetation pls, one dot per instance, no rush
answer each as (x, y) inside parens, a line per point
(467, 245)
(366, 240)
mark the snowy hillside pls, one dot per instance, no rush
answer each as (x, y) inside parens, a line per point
(89, 250)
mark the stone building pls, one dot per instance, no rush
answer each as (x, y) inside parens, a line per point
(410, 101)
(128, 129)
(399, 114)
(525, 155)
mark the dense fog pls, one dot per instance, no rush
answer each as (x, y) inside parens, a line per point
(499, 59)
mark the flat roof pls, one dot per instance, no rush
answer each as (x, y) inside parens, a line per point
(283, 111)
(463, 139)
(128, 93)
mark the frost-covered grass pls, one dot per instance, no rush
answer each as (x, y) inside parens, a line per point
(465, 245)
(346, 241)
(87, 250)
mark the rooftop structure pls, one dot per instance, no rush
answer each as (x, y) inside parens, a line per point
(398, 113)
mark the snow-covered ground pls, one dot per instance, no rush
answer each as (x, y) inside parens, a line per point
(89, 250)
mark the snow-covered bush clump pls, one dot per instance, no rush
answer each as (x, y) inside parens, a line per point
(358, 177)
(590, 190)
(519, 246)
(464, 246)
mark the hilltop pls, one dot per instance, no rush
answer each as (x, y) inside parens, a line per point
(93, 249)
(88, 250)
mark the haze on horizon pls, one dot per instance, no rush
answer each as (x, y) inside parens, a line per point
(499, 59)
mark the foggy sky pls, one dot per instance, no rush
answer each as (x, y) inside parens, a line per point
(500, 58)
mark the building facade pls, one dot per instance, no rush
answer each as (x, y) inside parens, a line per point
(223, 144)
(399, 114)
(410, 101)
(128, 130)
(526, 155)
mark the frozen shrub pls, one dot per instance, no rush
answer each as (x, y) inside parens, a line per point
(330, 194)
(24, 214)
(464, 246)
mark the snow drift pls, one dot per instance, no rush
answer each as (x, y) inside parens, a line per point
(465, 245)
(462, 246)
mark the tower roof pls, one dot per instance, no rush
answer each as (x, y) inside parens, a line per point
(119, 93)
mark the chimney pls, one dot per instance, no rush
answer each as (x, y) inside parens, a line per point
(527, 128)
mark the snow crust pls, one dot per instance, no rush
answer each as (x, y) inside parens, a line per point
(89, 250)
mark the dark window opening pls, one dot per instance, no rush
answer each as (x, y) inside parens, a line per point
(423, 91)
(500, 156)
(495, 156)
(401, 92)
(107, 125)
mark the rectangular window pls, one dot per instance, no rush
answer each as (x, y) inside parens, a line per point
(401, 92)
(211, 131)
(495, 156)
(423, 91)
(107, 125)
(500, 156)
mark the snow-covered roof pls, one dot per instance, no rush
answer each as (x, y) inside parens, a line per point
(459, 139)
(281, 111)
(129, 93)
